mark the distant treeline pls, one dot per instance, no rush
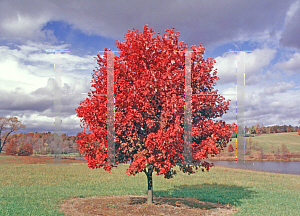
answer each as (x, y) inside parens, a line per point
(258, 130)
(43, 143)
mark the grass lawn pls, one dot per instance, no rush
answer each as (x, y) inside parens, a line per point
(38, 189)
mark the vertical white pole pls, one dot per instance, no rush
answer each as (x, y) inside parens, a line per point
(58, 106)
(188, 111)
(110, 110)
(240, 102)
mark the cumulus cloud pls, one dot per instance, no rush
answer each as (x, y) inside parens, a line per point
(214, 22)
(20, 24)
(290, 35)
(254, 63)
(28, 84)
(290, 66)
(279, 87)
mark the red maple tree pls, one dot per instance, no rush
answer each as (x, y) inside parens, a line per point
(149, 92)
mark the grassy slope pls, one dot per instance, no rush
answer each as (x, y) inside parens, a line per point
(37, 189)
(265, 141)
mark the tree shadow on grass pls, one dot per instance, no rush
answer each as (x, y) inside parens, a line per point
(210, 193)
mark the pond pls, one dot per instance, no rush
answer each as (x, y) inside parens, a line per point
(265, 166)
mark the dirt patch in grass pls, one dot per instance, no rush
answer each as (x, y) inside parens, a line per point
(137, 205)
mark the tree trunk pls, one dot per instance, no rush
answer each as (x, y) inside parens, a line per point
(150, 186)
(1, 147)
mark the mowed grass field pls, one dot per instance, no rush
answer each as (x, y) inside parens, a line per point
(39, 189)
(271, 142)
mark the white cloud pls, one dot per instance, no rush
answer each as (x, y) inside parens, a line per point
(213, 22)
(254, 63)
(22, 25)
(259, 58)
(229, 93)
(279, 87)
(27, 84)
(291, 12)
(290, 35)
(290, 66)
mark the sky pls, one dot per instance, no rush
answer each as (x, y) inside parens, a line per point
(269, 29)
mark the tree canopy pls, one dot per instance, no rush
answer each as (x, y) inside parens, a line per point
(149, 94)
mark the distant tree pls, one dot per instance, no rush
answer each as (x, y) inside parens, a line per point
(230, 148)
(30, 134)
(246, 129)
(20, 147)
(272, 149)
(38, 146)
(52, 147)
(252, 130)
(278, 151)
(299, 131)
(29, 139)
(261, 154)
(14, 125)
(25, 150)
(257, 129)
(284, 150)
(291, 128)
(66, 146)
(263, 129)
(12, 148)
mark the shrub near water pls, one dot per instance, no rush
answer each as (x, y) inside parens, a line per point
(230, 148)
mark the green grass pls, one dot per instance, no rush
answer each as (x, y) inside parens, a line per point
(266, 141)
(68, 155)
(38, 189)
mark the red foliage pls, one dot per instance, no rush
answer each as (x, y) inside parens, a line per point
(299, 131)
(230, 148)
(149, 116)
(30, 134)
(25, 150)
(12, 148)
